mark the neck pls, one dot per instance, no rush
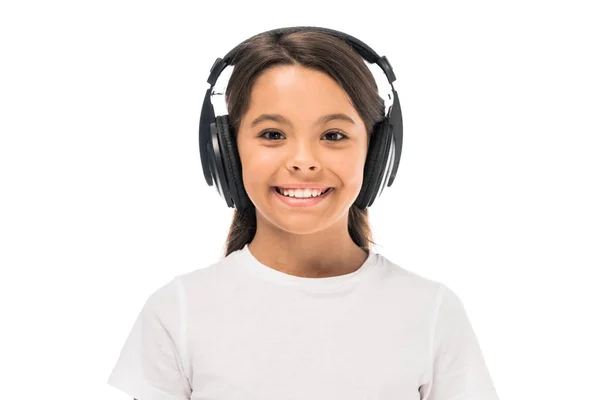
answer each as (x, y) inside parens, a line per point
(327, 253)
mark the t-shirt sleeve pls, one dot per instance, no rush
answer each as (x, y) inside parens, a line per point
(459, 371)
(150, 365)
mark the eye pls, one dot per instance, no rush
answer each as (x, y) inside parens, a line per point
(340, 136)
(268, 137)
(332, 136)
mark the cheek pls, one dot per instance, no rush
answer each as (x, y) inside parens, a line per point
(349, 166)
(257, 168)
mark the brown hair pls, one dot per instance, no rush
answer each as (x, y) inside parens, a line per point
(318, 51)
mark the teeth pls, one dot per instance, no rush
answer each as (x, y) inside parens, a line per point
(300, 193)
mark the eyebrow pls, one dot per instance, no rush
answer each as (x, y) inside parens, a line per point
(282, 120)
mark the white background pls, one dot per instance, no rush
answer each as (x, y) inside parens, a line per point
(104, 200)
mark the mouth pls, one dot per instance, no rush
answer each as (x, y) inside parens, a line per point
(301, 193)
(301, 197)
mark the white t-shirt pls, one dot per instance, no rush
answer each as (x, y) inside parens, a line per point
(239, 330)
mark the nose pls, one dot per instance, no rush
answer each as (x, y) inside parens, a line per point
(303, 160)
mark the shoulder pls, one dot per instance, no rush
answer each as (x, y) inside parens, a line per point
(200, 287)
(408, 281)
(169, 293)
(406, 286)
(217, 273)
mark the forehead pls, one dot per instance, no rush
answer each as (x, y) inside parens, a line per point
(298, 92)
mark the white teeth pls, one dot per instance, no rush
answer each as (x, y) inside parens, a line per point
(300, 193)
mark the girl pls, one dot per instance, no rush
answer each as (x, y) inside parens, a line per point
(300, 306)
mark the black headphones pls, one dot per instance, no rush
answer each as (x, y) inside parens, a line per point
(219, 155)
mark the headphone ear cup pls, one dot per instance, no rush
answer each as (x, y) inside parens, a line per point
(232, 164)
(375, 165)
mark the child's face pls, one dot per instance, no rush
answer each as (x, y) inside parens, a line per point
(305, 150)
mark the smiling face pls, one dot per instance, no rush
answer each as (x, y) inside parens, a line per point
(301, 130)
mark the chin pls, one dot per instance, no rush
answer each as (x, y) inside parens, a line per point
(290, 222)
(300, 225)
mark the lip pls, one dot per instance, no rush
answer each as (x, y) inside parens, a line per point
(303, 186)
(297, 202)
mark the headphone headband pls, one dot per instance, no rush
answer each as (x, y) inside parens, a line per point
(365, 51)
